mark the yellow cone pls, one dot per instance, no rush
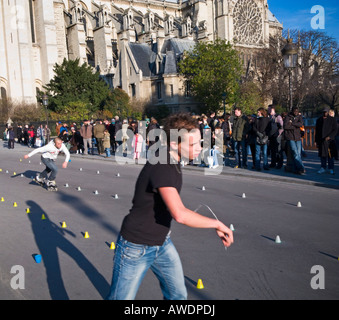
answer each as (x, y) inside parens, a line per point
(200, 285)
(112, 247)
(43, 217)
(15, 205)
(86, 236)
(28, 211)
(0, 170)
(14, 173)
(63, 225)
(2, 199)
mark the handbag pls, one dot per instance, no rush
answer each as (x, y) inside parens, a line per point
(262, 140)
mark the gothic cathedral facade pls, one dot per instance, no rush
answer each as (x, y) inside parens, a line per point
(134, 44)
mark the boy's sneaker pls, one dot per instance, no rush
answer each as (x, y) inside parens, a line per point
(321, 171)
(51, 186)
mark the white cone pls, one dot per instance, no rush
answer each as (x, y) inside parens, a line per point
(66, 185)
(96, 192)
(98, 172)
(203, 188)
(79, 189)
(277, 239)
(243, 195)
(116, 196)
(232, 227)
(80, 169)
(299, 204)
(118, 175)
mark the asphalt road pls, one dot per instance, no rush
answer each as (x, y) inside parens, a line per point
(253, 268)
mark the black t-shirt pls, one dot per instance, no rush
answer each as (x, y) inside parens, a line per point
(149, 220)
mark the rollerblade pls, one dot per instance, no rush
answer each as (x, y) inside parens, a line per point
(39, 180)
(51, 186)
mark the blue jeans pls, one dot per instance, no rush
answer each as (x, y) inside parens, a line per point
(237, 145)
(50, 167)
(108, 152)
(258, 150)
(295, 148)
(131, 262)
(325, 160)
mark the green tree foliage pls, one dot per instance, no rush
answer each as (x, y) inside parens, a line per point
(118, 103)
(212, 69)
(249, 98)
(76, 85)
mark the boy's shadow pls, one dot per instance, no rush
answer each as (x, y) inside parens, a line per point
(49, 237)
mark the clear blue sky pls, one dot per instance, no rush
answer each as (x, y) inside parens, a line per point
(296, 14)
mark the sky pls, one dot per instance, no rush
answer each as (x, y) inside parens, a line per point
(296, 14)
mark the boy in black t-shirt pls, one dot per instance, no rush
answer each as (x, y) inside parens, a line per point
(144, 241)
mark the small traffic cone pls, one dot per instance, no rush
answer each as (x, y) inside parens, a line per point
(43, 217)
(118, 175)
(203, 188)
(232, 227)
(14, 173)
(299, 204)
(28, 210)
(277, 239)
(86, 236)
(98, 172)
(79, 189)
(15, 205)
(63, 225)
(2, 199)
(244, 196)
(96, 192)
(66, 185)
(112, 247)
(200, 284)
(116, 196)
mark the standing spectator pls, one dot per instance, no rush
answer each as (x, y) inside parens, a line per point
(260, 127)
(251, 137)
(111, 130)
(31, 136)
(26, 137)
(47, 134)
(86, 133)
(40, 133)
(10, 137)
(153, 125)
(107, 143)
(63, 128)
(98, 132)
(58, 126)
(292, 124)
(118, 127)
(137, 145)
(239, 133)
(19, 133)
(275, 136)
(325, 132)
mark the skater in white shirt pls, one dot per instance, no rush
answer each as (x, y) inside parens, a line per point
(49, 155)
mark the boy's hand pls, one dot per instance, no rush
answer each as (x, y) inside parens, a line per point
(64, 165)
(26, 156)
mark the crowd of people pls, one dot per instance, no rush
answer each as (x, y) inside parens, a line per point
(259, 135)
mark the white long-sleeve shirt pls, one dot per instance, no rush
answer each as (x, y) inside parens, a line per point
(50, 151)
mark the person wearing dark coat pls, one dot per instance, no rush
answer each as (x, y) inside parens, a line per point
(260, 128)
(325, 132)
(292, 135)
